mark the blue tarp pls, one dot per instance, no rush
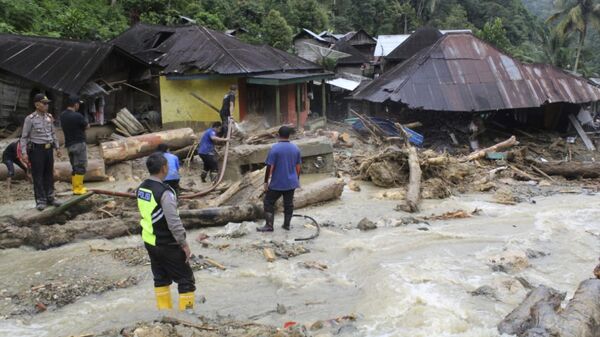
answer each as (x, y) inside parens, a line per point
(388, 127)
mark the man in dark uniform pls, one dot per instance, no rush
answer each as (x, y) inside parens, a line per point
(165, 237)
(73, 125)
(227, 109)
(282, 178)
(37, 142)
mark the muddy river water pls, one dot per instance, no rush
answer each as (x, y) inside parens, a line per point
(400, 280)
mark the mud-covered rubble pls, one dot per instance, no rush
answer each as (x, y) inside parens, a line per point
(56, 294)
(229, 327)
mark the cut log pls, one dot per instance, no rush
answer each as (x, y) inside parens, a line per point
(571, 169)
(62, 171)
(143, 145)
(586, 140)
(540, 313)
(512, 141)
(413, 195)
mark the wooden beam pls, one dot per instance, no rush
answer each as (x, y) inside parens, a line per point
(277, 105)
(324, 99)
(586, 140)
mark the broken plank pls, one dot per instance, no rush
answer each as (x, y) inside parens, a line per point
(586, 140)
(269, 254)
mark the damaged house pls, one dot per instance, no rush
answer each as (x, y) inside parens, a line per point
(460, 76)
(203, 62)
(107, 78)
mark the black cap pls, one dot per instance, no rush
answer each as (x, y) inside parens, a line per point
(40, 98)
(73, 99)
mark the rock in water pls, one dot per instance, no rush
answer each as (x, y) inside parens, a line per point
(366, 225)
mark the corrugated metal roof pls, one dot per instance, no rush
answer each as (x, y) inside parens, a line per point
(356, 57)
(344, 83)
(187, 49)
(463, 73)
(421, 38)
(59, 64)
(387, 43)
(311, 34)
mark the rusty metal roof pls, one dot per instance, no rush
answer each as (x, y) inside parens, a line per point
(59, 64)
(417, 41)
(463, 73)
(193, 49)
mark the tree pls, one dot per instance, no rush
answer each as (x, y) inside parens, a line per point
(455, 19)
(276, 31)
(494, 33)
(575, 16)
(310, 15)
(209, 20)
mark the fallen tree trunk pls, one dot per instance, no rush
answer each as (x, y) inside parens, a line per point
(540, 314)
(42, 237)
(413, 195)
(570, 169)
(512, 141)
(62, 171)
(143, 145)
(49, 214)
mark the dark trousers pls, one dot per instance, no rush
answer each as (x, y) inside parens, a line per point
(168, 265)
(271, 198)
(78, 158)
(210, 163)
(10, 166)
(42, 172)
(224, 127)
(174, 185)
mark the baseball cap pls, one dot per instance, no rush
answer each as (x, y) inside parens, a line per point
(73, 99)
(40, 98)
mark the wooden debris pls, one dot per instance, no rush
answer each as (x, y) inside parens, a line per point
(48, 215)
(269, 254)
(177, 321)
(522, 173)
(544, 174)
(143, 145)
(413, 194)
(584, 137)
(512, 141)
(540, 314)
(313, 265)
(458, 214)
(215, 264)
(571, 169)
(127, 124)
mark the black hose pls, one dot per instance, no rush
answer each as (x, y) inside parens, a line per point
(314, 236)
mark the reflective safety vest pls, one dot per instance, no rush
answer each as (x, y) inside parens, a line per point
(155, 230)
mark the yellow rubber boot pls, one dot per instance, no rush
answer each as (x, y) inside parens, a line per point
(74, 184)
(163, 298)
(186, 301)
(78, 188)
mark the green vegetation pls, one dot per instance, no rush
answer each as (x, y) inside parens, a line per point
(564, 34)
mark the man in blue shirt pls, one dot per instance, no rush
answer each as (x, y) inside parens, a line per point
(172, 178)
(281, 179)
(207, 152)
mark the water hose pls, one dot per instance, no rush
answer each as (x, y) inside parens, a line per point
(314, 236)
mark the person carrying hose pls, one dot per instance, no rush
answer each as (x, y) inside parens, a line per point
(282, 178)
(164, 237)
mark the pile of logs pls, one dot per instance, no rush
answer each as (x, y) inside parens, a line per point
(126, 124)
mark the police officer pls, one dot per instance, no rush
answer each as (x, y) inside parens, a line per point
(164, 236)
(37, 142)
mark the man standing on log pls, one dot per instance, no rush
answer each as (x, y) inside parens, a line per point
(165, 237)
(282, 178)
(73, 125)
(37, 141)
(227, 109)
(207, 153)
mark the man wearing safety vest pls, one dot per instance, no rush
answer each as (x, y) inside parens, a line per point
(164, 237)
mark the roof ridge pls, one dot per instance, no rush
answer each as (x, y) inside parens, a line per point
(224, 49)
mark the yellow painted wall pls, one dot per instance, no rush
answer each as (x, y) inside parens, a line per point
(179, 108)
